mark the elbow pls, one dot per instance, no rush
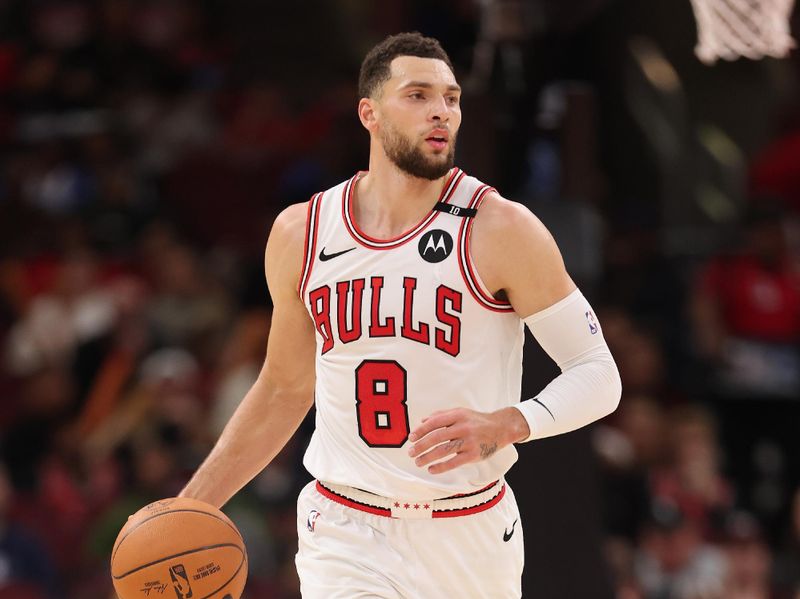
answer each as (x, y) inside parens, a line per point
(616, 390)
(607, 387)
(613, 392)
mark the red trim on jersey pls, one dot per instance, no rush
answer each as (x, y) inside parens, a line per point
(305, 248)
(387, 244)
(378, 511)
(353, 504)
(471, 510)
(462, 495)
(476, 289)
(310, 244)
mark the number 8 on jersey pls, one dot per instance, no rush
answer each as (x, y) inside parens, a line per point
(381, 403)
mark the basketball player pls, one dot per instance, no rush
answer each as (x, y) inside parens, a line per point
(404, 290)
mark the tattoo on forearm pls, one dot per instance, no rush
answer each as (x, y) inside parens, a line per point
(487, 450)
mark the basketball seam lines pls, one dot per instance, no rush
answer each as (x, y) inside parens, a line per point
(227, 582)
(173, 512)
(163, 559)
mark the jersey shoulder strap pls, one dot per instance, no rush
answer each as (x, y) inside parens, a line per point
(455, 210)
(466, 199)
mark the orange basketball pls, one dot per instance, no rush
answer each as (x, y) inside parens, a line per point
(181, 545)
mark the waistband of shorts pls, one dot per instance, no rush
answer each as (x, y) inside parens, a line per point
(397, 507)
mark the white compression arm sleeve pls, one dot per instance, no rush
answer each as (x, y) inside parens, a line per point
(588, 387)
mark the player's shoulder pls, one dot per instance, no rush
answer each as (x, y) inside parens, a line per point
(283, 256)
(507, 224)
(291, 220)
(287, 237)
(289, 227)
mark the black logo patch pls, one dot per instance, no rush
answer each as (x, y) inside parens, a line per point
(325, 257)
(180, 581)
(507, 535)
(435, 245)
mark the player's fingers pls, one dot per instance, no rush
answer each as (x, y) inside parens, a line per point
(432, 414)
(432, 439)
(459, 460)
(434, 421)
(439, 452)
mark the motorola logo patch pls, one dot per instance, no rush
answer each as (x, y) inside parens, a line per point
(435, 245)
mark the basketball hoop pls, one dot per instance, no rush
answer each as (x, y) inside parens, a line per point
(730, 29)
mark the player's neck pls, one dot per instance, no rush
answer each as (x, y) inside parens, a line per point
(387, 201)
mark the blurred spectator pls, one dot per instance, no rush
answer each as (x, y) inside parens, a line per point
(692, 478)
(651, 288)
(26, 569)
(189, 307)
(673, 562)
(239, 364)
(630, 450)
(74, 309)
(777, 169)
(749, 560)
(638, 353)
(746, 316)
(152, 472)
(787, 563)
(43, 402)
(746, 311)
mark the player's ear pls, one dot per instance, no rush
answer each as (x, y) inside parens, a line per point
(366, 113)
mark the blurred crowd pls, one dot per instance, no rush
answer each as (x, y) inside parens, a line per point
(145, 148)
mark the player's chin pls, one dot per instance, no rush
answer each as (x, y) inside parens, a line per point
(440, 151)
(437, 156)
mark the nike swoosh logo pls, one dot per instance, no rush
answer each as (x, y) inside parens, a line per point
(325, 257)
(507, 535)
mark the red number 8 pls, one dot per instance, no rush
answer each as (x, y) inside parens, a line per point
(381, 403)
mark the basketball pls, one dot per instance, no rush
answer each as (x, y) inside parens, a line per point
(181, 544)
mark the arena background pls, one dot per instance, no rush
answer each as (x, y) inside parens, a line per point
(146, 146)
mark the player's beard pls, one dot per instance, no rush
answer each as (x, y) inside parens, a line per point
(410, 158)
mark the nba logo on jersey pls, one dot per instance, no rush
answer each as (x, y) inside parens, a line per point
(311, 521)
(593, 326)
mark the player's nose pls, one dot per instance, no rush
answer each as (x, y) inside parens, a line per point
(439, 109)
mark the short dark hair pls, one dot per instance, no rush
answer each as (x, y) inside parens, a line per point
(375, 69)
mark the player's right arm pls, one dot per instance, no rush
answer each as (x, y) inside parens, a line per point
(280, 398)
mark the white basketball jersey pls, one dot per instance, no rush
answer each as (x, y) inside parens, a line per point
(404, 328)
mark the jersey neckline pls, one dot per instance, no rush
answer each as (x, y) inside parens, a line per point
(456, 175)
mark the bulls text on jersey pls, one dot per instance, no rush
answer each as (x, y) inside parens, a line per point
(351, 322)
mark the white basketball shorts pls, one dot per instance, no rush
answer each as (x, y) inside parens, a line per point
(357, 545)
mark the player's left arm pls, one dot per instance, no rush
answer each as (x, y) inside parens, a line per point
(517, 258)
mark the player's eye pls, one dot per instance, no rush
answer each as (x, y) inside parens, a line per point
(416, 95)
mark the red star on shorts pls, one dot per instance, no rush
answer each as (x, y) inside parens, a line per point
(396, 504)
(406, 505)
(416, 506)
(427, 506)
